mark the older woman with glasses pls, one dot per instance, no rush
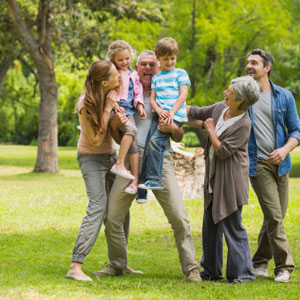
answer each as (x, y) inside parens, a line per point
(226, 184)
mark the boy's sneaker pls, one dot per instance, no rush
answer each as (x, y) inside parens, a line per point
(141, 200)
(141, 197)
(282, 276)
(151, 185)
(261, 272)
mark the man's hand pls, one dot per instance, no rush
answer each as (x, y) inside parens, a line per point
(175, 131)
(277, 156)
(166, 128)
(118, 120)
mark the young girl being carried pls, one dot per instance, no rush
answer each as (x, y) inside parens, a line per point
(130, 101)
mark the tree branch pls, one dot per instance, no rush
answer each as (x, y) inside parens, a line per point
(42, 21)
(27, 38)
(4, 66)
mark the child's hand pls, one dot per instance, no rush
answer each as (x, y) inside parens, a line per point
(119, 109)
(169, 120)
(164, 114)
(141, 111)
(143, 114)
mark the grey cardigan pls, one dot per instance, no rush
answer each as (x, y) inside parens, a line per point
(230, 165)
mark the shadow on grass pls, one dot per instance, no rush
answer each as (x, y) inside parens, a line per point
(43, 257)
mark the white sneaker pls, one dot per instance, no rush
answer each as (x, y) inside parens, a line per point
(261, 272)
(282, 276)
(141, 200)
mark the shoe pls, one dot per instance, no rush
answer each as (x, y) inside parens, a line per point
(282, 276)
(82, 277)
(121, 172)
(128, 270)
(261, 272)
(194, 275)
(109, 270)
(141, 200)
(131, 189)
(151, 185)
(239, 280)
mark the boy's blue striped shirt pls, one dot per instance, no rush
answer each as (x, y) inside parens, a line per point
(167, 86)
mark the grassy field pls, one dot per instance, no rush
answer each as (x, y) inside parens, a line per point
(40, 215)
(10, 156)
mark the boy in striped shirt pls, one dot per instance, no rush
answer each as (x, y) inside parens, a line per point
(169, 90)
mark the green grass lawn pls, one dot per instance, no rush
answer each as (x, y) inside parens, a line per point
(40, 215)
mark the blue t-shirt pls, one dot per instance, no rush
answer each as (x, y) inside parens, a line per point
(167, 87)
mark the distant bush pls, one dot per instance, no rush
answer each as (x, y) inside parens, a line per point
(190, 139)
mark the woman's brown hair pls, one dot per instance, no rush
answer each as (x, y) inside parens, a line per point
(94, 98)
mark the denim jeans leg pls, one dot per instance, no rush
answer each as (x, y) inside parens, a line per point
(157, 146)
(154, 123)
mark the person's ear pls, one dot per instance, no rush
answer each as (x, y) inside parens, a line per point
(268, 67)
(104, 83)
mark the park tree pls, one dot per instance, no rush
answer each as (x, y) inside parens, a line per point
(73, 25)
(215, 37)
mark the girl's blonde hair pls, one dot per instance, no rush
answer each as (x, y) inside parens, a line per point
(116, 47)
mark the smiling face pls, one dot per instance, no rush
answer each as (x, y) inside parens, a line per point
(167, 62)
(123, 60)
(255, 67)
(147, 68)
(230, 99)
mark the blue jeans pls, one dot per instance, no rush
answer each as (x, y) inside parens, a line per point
(155, 146)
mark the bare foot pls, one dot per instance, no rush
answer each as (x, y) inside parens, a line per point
(75, 272)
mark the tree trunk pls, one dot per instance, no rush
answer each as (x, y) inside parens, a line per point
(42, 54)
(47, 138)
(4, 66)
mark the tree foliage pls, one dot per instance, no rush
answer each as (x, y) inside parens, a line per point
(214, 38)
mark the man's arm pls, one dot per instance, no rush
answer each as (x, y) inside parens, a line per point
(175, 131)
(293, 128)
(279, 155)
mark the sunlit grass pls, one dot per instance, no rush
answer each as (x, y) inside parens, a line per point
(40, 215)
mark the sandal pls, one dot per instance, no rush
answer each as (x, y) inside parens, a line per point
(131, 189)
(121, 172)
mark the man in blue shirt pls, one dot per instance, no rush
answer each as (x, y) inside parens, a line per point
(275, 133)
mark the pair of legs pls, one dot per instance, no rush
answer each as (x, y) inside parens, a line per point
(272, 194)
(239, 264)
(173, 206)
(128, 146)
(155, 146)
(95, 169)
